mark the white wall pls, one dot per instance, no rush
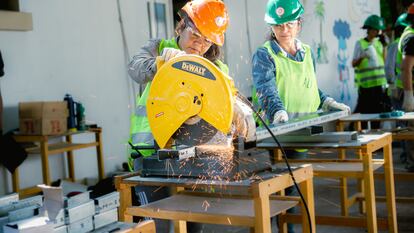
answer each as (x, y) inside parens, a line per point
(75, 47)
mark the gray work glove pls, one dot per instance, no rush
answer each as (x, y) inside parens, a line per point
(168, 53)
(408, 103)
(280, 117)
(330, 104)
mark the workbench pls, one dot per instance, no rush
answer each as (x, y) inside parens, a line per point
(45, 149)
(397, 135)
(362, 168)
(253, 210)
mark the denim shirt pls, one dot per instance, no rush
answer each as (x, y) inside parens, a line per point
(264, 73)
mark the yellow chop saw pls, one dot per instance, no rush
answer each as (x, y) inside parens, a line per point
(200, 123)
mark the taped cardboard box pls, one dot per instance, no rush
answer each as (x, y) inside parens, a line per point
(43, 118)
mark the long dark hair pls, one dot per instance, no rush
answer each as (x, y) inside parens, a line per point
(213, 53)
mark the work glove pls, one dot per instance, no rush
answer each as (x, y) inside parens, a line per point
(330, 104)
(280, 117)
(168, 53)
(408, 103)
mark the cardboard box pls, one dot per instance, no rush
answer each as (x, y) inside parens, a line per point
(43, 118)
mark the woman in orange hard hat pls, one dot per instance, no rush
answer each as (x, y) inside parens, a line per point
(200, 31)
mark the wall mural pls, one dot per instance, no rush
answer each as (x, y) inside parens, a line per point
(322, 47)
(342, 32)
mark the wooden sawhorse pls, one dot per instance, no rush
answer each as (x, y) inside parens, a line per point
(253, 210)
(365, 145)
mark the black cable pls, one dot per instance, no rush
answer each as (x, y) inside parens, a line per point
(248, 103)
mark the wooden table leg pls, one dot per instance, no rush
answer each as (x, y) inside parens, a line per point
(99, 154)
(44, 153)
(262, 213)
(361, 188)
(180, 226)
(71, 165)
(307, 190)
(369, 193)
(125, 201)
(343, 188)
(15, 180)
(343, 182)
(390, 189)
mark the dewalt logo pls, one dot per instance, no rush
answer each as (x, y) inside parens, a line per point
(194, 68)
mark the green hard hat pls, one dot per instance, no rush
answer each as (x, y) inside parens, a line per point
(282, 11)
(401, 21)
(375, 22)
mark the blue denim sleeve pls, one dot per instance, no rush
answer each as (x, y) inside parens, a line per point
(264, 74)
(322, 95)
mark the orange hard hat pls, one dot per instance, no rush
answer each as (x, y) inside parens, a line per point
(210, 17)
(410, 9)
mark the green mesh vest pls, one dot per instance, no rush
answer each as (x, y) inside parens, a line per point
(296, 82)
(366, 76)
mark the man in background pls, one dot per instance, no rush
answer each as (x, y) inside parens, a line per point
(406, 54)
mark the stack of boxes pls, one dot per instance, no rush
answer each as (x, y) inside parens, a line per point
(22, 215)
(77, 214)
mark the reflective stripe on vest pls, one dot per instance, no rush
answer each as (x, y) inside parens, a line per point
(397, 71)
(366, 76)
(296, 82)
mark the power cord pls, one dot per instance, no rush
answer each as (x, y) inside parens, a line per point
(248, 103)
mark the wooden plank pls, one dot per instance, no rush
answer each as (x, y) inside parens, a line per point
(400, 176)
(339, 221)
(29, 191)
(236, 212)
(61, 147)
(147, 226)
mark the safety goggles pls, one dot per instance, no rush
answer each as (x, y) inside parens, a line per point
(289, 25)
(196, 35)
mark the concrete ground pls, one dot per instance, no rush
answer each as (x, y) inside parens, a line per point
(327, 203)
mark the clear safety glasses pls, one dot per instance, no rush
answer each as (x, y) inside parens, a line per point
(196, 35)
(289, 25)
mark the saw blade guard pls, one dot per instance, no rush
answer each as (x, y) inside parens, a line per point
(187, 86)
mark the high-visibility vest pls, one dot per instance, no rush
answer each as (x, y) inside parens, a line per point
(295, 81)
(140, 131)
(407, 31)
(366, 76)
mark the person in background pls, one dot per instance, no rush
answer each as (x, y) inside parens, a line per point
(284, 72)
(393, 73)
(368, 61)
(393, 64)
(406, 54)
(201, 32)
